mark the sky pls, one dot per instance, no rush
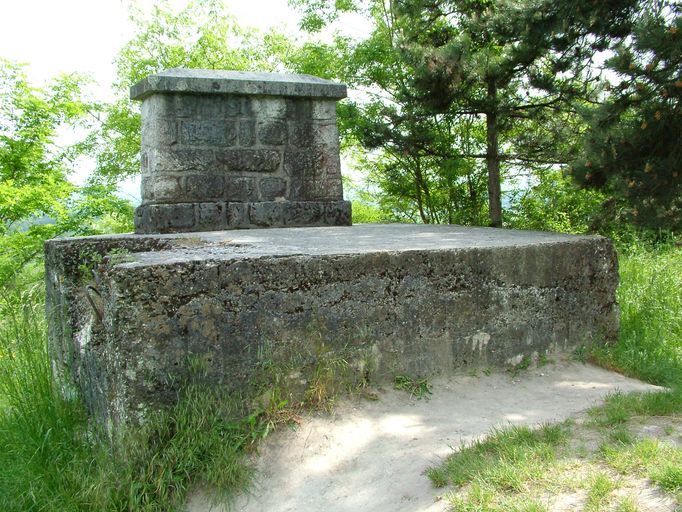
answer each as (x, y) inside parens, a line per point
(63, 36)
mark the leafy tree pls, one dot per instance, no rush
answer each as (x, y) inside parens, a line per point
(37, 200)
(633, 150)
(454, 84)
(518, 64)
(202, 35)
(412, 155)
(555, 203)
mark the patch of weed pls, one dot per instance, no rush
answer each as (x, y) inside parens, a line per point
(618, 407)
(505, 459)
(599, 492)
(626, 505)
(620, 435)
(521, 366)
(416, 386)
(668, 476)
(544, 360)
(651, 317)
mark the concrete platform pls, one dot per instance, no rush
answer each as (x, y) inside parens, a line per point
(128, 311)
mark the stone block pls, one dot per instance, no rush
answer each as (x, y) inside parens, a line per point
(337, 213)
(269, 108)
(318, 161)
(272, 132)
(203, 187)
(165, 218)
(160, 133)
(178, 160)
(166, 189)
(304, 213)
(208, 133)
(326, 135)
(238, 215)
(224, 82)
(251, 160)
(324, 110)
(301, 134)
(272, 188)
(266, 214)
(240, 189)
(211, 216)
(247, 133)
(299, 109)
(168, 106)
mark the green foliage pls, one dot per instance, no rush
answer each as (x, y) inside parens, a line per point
(367, 213)
(411, 154)
(598, 493)
(458, 94)
(417, 387)
(504, 460)
(658, 461)
(316, 14)
(651, 316)
(519, 65)
(202, 35)
(37, 200)
(669, 476)
(632, 150)
(555, 203)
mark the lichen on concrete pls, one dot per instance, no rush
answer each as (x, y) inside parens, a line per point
(408, 299)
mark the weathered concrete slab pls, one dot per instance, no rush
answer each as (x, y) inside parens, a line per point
(390, 299)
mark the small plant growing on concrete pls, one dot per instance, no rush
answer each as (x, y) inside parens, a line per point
(416, 386)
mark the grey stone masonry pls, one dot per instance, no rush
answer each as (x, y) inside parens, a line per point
(228, 149)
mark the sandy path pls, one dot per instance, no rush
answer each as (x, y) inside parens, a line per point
(370, 455)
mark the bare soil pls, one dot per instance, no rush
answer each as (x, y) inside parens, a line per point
(370, 455)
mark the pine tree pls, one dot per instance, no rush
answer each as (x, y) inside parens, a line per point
(515, 63)
(633, 149)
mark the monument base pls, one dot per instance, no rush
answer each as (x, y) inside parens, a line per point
(129, 313)
(212, 216)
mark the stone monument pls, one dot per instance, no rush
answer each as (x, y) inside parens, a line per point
(128, 313)
(229, 149)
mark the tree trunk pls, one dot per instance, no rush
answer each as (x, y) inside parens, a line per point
(418, 192)
(493, 158)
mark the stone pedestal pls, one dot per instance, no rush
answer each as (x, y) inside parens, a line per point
(227, 149)
(396, 299)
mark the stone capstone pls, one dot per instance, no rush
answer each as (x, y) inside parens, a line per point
(226, 137)
(128, 312)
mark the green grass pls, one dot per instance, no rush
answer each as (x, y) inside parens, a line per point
(417, 387)
(598, 493)
(505, 460)
(53, 459)
(650, 344)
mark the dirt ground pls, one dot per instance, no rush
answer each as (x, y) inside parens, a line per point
(370, 455)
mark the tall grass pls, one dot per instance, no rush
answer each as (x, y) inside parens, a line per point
(650, 297)
(53, 459)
